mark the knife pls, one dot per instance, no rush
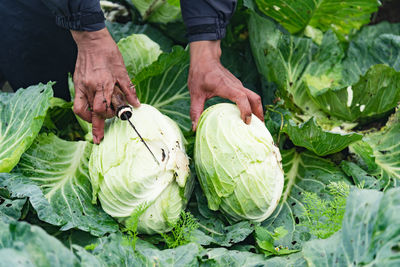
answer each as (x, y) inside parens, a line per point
(124, 112)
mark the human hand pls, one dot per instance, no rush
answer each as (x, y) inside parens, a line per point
(99, 67)
(208, 78)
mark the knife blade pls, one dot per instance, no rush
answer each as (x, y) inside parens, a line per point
(124, 112)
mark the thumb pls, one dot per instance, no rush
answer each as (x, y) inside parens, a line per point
(196, 108)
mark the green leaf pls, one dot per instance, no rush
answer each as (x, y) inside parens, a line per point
(60, 169)
(10, 207)
(304, 172)
(233, 258)
(111, 252)
(21, 117)
(314, 138)
(369, 234)
(375, 93)
(340, 16)
(359, 86)
(265, 241)
(381, 152)
(360, 177)
(158, 11)
(212, 229)
(283, 59)
(138, 52)
(24, 245)
(163, 85)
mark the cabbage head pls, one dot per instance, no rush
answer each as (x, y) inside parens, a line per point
(238, 165)
(127, 180)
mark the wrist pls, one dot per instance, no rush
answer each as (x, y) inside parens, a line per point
(84, 38)
(205, 51)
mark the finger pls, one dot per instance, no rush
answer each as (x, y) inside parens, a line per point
(97, 127)
(130, 92)
(255, 103)
(81, 106)
(238, 96)
(102, 100)
(196, 108)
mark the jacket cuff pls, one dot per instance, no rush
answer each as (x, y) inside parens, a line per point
(82, 21)
(205, 29)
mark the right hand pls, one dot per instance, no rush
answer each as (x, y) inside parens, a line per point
(99, 67)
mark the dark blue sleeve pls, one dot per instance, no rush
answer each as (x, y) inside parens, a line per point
(79, 15)
(207, 19)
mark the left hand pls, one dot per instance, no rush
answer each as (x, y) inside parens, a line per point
(208, 78)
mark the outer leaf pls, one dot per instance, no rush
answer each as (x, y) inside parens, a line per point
(60, 169)
(9, 207)
(164, 86)
(314, 138)
(212, 229)
(157, 11)
(112, 251)
(138, 52)
(303, 172)
(24, 245)
(382, 150)
(361, 177)
(21, 117)
(283, 59)
(234, 258)
(369, 235)
(375, 93)
(341, 16)
(352, 88)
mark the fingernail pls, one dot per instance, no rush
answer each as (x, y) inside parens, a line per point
(247, 119)
(193, 126)
(95, 139)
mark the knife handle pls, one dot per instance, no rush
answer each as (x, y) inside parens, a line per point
(118, 103)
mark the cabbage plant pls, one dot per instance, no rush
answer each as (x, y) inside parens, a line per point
(126, 178)
(238, 165)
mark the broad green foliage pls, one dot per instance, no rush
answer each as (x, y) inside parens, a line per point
(265, 241)
(230, 155)
(304, 172)
(314, 138)
(338, 15)
(125, 176)
(59, 169)
(375, 93)
(21, 117)
(212, 229)
(380, 151)
(158, 11)
(369, 234)
(24, 245)
(10, 208)
(138, 52)
(352, 86)
(163, 85)
(330, 85)
(145, 254)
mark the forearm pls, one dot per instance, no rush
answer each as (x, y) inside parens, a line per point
(205, 51)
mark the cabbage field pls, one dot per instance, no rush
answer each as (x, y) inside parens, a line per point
(328, 72)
